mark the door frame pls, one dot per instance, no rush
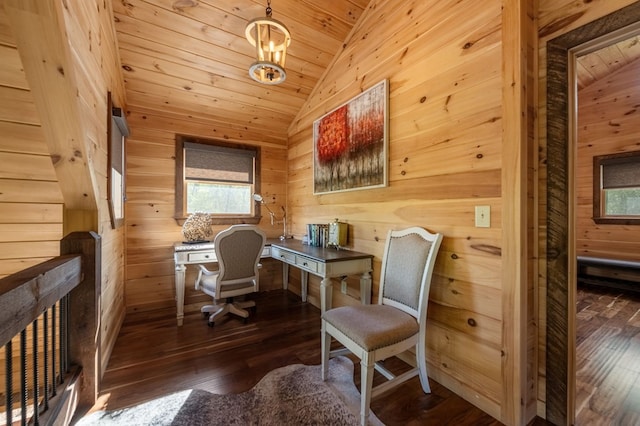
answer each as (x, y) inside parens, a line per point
(561, 276)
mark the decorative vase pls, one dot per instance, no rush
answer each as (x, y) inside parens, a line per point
(197, 228)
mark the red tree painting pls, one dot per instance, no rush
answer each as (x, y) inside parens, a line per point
(350, 144)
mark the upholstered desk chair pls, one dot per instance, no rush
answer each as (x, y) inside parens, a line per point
(397, 323)
(238, 250)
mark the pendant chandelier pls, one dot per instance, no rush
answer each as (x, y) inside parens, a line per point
(271, 39)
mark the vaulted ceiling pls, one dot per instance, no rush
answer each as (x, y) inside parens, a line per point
(190, 58)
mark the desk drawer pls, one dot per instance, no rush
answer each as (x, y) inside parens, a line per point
(202, 257)
(306, 263)
(283, 255)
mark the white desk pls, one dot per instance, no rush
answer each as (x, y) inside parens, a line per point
(189, 254)
(327, 263)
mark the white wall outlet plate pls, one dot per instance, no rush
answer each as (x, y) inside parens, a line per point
(483, 216)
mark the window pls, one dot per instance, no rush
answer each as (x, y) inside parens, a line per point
(117, 132)
(616, 188)
(217, 178)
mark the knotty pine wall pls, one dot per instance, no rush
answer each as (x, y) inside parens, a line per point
(607, 124)
(30, 199)
(554, 18)
(151, 229)
(443, 61)
(444, 64)
(33, 217)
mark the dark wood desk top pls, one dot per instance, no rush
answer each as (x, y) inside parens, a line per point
(321, 254)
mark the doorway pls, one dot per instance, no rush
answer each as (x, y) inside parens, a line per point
(561, 274)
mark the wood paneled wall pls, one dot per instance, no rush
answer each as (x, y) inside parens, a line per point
(151, 229)
(97, 66)
(30, 199)
(35, 215)
(444, 64)
(607, 124)
(555, 18)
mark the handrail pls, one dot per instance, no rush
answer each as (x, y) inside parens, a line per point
(67, 290)
(26, 294)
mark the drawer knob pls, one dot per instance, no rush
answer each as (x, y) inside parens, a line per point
(206, 256)
(305, 264)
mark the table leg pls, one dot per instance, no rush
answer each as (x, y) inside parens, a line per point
(326, 294)
(285, 276)
(365, 288)
(180, 272)
(304, 283)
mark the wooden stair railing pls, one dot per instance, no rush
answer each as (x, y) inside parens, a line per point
(49, 335)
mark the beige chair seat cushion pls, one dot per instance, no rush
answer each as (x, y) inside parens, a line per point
(209, 284)
(372, 326)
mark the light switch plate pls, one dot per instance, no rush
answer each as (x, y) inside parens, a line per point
(483, 216)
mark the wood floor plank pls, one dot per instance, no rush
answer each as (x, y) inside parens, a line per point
(153, 357)
(607, 357)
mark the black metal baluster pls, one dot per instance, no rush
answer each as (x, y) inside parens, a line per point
(8, 367)
(24, 393)
(45, 360)
(53, 352)
(36, 409)
(63, 337)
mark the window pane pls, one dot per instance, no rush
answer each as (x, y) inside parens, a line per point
(622, 202)
(219, 198)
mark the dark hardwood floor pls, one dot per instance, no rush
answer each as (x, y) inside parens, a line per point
(153, 356)
(608, 357)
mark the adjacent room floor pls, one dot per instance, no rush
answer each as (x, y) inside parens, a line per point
(607, 357)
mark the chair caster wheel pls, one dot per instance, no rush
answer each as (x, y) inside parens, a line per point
(211, 324)
(246, 320)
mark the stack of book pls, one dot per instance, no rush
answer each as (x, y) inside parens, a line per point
(318, 234)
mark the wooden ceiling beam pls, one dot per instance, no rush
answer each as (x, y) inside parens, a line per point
(41, 38)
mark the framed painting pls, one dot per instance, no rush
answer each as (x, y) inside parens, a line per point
(350, 143)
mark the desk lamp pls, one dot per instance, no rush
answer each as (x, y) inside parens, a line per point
(258, 199)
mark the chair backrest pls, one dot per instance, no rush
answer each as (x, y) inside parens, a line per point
(407, 267)
(238, 250)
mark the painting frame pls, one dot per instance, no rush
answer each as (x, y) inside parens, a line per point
(351, 143)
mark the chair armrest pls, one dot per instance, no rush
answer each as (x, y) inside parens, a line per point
(204, 271)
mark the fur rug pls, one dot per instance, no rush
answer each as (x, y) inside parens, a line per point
(291, 395)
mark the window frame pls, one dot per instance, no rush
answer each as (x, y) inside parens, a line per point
(599, 162)
(180, 202)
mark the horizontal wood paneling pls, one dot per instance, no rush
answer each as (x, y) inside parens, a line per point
(97, 65)
(150, 227)
(30, 200)
(192, 58)
(607, 124)
(443, 62)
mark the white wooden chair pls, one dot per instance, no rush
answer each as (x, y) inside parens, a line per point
(238, 250)
(397, 323)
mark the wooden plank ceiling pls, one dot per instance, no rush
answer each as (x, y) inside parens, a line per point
(597, 65)
(191, 59)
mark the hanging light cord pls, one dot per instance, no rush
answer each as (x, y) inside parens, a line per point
(269, 8)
